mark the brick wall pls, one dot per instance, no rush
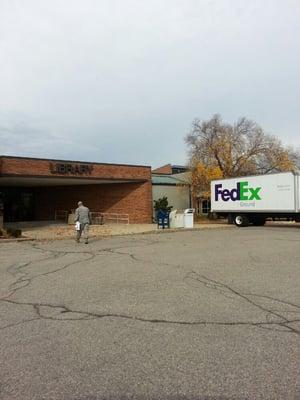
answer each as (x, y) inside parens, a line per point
(134, 198)
(131, 198)
(37, 167)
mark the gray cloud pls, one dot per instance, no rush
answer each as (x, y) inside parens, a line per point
(121, 80)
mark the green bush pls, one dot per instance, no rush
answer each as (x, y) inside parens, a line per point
(162, 204)
(16, 233)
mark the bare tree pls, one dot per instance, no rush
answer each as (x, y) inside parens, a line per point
(239, 149)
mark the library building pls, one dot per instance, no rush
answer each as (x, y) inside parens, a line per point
(34, 189)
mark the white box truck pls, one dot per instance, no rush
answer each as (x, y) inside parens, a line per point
(253, 199)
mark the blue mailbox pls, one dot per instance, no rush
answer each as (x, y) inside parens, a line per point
(163, 220)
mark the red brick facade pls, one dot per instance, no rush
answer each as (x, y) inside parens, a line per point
(133, 196)
(130, 198)
(42, 168)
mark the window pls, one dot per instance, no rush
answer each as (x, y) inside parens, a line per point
(205, 206)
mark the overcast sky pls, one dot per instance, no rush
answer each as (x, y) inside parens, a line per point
(122, 80)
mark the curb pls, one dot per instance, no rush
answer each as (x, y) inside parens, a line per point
(16, 240)
(156, 231)
(173, 230)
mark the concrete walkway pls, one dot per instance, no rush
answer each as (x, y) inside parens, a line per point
(51, 230)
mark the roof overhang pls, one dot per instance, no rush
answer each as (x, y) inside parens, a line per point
(29, 181)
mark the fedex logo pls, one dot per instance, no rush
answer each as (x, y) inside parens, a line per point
(241, 192)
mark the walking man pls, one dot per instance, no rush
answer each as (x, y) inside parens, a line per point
(83, 216)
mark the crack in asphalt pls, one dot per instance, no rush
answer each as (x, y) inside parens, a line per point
(227, 290)
(64, 313)
(223, 289)
(18, 323)
(25, 280)
(87, 315)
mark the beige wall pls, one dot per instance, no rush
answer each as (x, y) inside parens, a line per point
(178, 197)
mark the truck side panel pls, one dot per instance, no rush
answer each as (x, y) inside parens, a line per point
(262, 193)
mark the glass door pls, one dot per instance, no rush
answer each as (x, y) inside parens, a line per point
(18, 204)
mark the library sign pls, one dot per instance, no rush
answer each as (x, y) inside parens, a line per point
(71, 169)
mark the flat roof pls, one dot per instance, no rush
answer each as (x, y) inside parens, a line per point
(166, 179)
(36, 181)
(74, 161)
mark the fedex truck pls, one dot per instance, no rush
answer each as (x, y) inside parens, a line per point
(253, 199)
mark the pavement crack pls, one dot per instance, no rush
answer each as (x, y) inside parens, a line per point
(61, 312)
(229, 292)
(44, 311)
(18, 323)
(23, 278)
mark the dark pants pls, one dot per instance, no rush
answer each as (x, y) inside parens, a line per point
(84, 229)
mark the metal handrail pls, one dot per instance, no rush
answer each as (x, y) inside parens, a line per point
(101, 217)
(61, 214)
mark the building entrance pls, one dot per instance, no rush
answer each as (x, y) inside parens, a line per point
(18, 204)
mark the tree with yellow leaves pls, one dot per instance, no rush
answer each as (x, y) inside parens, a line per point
(218, 149)
(201, 176)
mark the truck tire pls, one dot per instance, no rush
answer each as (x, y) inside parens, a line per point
(241, 220)
(259, 221)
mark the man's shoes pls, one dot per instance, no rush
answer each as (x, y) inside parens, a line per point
(86, 242)
(77, 240)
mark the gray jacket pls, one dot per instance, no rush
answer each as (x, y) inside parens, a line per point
(83, 215)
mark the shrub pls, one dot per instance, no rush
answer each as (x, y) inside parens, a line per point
(162, 204)
(16, 233)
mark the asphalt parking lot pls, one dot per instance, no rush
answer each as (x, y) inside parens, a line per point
(212, 314)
